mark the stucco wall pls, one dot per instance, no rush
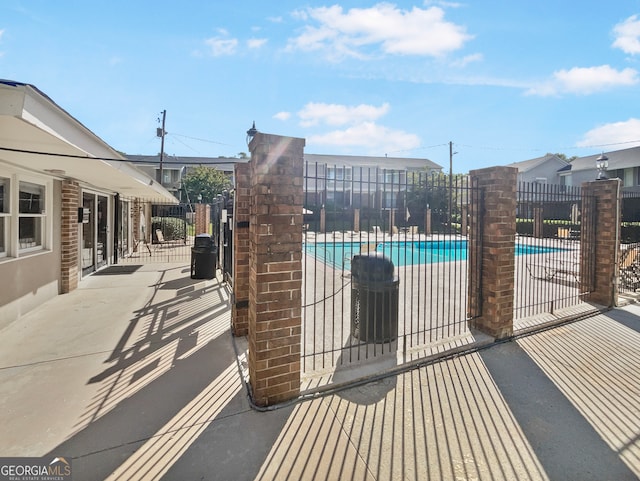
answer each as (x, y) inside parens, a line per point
(29, 281)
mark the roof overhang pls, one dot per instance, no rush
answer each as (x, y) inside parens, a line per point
(37, 135)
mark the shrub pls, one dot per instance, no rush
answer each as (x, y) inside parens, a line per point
(173, 228)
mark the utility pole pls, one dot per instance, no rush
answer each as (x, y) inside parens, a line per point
(161, 133)
(450, 159)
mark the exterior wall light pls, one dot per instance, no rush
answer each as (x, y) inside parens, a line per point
(251, 133)
(602, 163)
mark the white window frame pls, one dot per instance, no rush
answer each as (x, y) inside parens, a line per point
(38, 242)
(5, 218)
(11, 218)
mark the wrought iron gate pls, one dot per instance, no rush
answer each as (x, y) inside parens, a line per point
(551, 273)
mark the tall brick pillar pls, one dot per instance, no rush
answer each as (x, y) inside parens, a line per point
(275, 259)
(599, 240)
(492, 310)
(70, 237)
(241, 212)
(203, 218)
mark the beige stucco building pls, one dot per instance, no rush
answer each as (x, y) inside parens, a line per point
(67, 200)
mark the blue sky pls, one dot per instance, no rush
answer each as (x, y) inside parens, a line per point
(504, 81)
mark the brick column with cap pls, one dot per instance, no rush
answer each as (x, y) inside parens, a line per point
(599, 241)
(491, 294)
(275, 259)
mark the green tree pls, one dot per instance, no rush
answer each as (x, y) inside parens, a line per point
(205, 181)
(439, 192)
(564, 157)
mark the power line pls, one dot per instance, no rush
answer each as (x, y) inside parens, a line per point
(225, 160)
(198, 139)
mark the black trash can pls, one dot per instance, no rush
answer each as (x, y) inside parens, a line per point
(374, 298)
(204, 255)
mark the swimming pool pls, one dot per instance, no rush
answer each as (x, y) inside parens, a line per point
(338, 254)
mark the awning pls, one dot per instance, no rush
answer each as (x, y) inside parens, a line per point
(39, 136)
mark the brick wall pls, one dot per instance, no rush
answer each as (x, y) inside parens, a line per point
(275, 259)
(69, 236)
(495, 251)
(241, 212)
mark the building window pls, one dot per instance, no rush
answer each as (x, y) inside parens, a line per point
(338, 177)
(4, 214)
(628, 178)
(393, 177)
(31, 214)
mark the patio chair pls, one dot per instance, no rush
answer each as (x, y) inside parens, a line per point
(551, 268)
(160, 238)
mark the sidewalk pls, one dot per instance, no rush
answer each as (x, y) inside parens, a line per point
(134, 376)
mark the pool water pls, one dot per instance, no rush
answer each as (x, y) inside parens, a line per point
(339, 254)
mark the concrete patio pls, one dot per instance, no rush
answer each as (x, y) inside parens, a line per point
(135, 376)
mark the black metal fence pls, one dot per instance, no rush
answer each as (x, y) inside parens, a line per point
(549, 225)
(629, 267)
(157, 232)
(360, 218)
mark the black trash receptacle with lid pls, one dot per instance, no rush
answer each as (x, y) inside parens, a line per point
(204, 254)
(374, 298)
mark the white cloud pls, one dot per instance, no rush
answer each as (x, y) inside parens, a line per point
(464, 61)
(335, 114)
(627, 35)
(221, 46)
(586, 81)
(359, 128)
(367, 136)
(282, 116)
(256, 42)
(626, 132)
(341, 34)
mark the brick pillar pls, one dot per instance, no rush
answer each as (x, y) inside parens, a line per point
(538, 222)
(599, 240)
(492, 310)
(241, 212)
(135, 223)
(275, 259)
(70, 237)
(203, 218)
